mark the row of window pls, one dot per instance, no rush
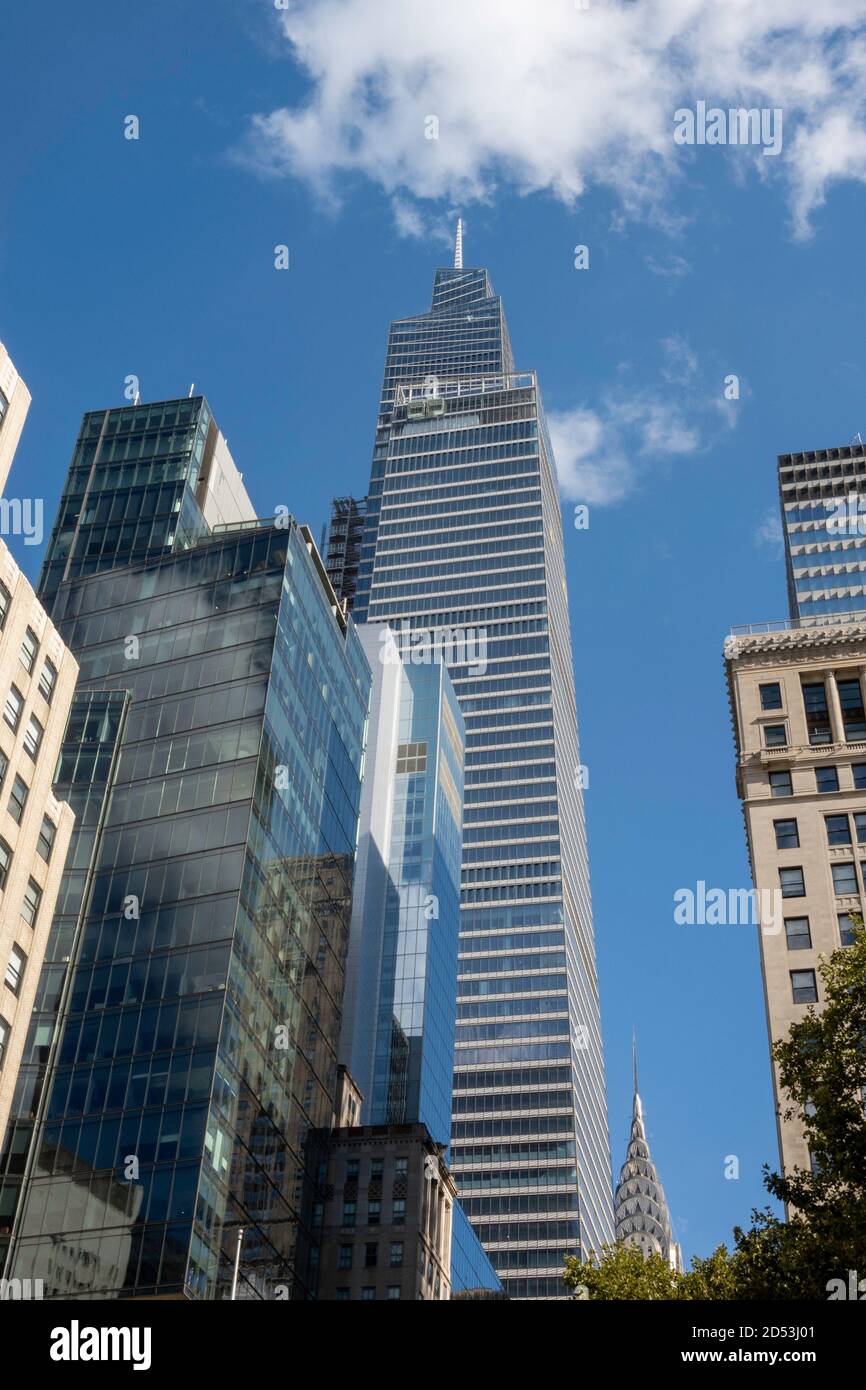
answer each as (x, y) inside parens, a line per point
(798, 933)
(368, 1294)
(377, 1168)
(845, 883)
(29, 651)
(838, 830)
(374, 1212)
(817, 712)
(346, 1255)
(826, 780)
(12, 714)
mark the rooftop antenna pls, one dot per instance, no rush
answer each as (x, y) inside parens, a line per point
(634, 1056)
(191, 389)
(458, 246)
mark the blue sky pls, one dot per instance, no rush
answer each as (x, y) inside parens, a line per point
(155, 257)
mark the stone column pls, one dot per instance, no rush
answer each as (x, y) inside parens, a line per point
(837, 726)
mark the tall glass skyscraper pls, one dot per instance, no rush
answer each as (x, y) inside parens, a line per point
(401, 976)
(184, 1037)
(463, 533)
(823, 500)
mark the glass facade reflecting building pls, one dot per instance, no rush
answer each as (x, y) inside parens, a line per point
(823, 500)
(401, 983)
(463, 531)
(185, 1035)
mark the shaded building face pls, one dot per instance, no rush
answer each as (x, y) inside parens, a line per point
(398, 1036)
(214, 757)
(463, 532)
(823, 500)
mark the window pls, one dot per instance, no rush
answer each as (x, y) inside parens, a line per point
(5, 861)
(792, 883)
(18, 799)
(827, 779)
(4, 1038)
(47, 681)
(846, 929)
(377, 1166)
(771, 695)
(341, 1295)
(412, 757)
(32, 899)
(344, 1259)
(33, 737)
(350, 1211)
(5, 596)
(4, 766)
(401, 1167)
(859, 770)
(838, 830)
(374, 1212)
(844, 879)
(395, 1254)
(817, 713)
(860, 826)
(353, 1167)
(786, 834)
(798, 933)
(775, 736)
(398, 1215)
(13, 707)
(29, 649)
(780, 784)
(803, 987)
(15, 969)
(45, 843)
(371, 1254)
(393, 1291)
(368, 1295)
(853, 713)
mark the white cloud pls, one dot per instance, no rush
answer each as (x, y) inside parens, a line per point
(770, 533)
(554, 97)
(603, 452)
(592, 465)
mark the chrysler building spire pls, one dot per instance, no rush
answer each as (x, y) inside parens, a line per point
(640, 1209)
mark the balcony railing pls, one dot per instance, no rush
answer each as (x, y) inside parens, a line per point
(800, 624)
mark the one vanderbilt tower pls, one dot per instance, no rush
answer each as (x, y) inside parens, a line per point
(463, 533)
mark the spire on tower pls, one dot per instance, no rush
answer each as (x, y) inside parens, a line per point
(634, 1056)
(458, 246)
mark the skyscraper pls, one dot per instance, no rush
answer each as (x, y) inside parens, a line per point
(185, 1035)
(823, 500)
(463, 535)
(797, 691)
(401, 974)
(641, 1210)
(401, 978)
